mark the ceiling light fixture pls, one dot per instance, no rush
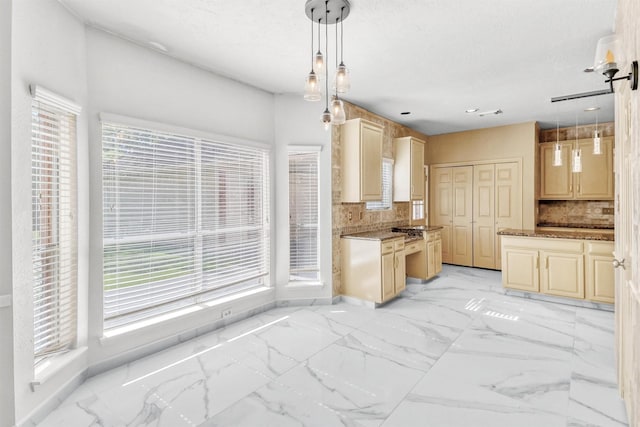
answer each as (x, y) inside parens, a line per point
(557, 149)
(488, 113)
(335, 11)
(577, 153)
(471, 110)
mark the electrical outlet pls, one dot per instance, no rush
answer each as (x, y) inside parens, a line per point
(607, 211)
(349, 216)
(226, 313)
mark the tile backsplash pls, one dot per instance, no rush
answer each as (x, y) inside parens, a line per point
(573, 213)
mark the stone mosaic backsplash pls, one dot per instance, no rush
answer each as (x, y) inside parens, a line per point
(576, 213)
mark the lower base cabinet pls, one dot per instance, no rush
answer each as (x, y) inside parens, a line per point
(424, 258)
(561, 267)
(373, 270)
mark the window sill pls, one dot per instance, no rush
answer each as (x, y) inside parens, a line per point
(49, 367)
(218, 303)
(305, 284)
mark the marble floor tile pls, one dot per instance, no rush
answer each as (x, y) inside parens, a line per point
(451, 351)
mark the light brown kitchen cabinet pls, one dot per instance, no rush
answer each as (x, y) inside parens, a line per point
(408, 169)
(372, 269)
(600, 284)
(595, 182)
(434, 253)
(562, 271)
(557, 267)
(361, 148)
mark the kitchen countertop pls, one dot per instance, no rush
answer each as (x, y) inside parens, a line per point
(560, 234)
(574, 225)
(407, 228)
(375, 235)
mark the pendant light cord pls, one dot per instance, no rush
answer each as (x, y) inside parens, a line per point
(326, 46)
(312, 39)
(341, 38)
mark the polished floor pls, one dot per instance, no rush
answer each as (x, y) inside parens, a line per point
(455, 351)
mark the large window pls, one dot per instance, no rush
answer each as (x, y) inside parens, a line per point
(387, 188)
(185, 220)
(303, 215)
(53, 225)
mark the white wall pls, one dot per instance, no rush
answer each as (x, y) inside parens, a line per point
(297, 122)
(6, 313)
(48, 49)
(131, 80)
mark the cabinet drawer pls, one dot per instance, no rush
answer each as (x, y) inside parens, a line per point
(414, 247)
(433, 235)
(398, 245)
(600, 248)
(387, 247)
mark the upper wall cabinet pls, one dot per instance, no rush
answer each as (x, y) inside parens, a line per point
(361, 146)
(595, 182)
(408, 169)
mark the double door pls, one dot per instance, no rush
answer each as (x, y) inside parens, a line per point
(473, 203)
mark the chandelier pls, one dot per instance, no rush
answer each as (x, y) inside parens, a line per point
(327, 12)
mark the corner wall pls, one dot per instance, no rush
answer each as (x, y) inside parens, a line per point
(7, 410)
(48, 49)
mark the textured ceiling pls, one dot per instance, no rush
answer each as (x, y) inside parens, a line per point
(434, 58)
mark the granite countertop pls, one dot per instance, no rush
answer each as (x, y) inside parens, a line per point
(560, 234)
(408, 228)
(375, 235)
(597, 227)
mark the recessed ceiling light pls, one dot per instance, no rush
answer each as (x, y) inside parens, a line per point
(592, 109)
(471, 110)
(404, 113)
(158, 46)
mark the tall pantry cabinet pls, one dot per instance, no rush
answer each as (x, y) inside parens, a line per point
(472, 203)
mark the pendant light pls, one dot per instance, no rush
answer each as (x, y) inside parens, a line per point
(341, 80)
(335, 11)
(577, 153)
(326, 115)
(557, 149)
(337, 106)
(597, 148)
(312, 88)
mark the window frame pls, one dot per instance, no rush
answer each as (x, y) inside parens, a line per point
(205, 147)
(315, 151)
(386, 203)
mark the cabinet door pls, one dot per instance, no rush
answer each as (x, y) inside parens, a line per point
(417, 170)
(462, 215)
(555, 181)
(400, 272)
(437, 251)
(562, 274)
(595, 182)
(483, 216)
(371, 162)
(508, 197)
(388, 276)
(520, 269)
(441, 210)
(431, 259)
(600, 278)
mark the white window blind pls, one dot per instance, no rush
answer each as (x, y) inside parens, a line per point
(303, 216)
(54, 229)
(184, 220)
(417, 209)
(387, 185)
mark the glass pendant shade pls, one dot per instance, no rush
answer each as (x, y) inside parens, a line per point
(597, 148)
(557, 155)
(318, 64)
(326, 118)
(607, 54)
(577, 161)
(312, 88)
(342, 81)
(337, 110)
